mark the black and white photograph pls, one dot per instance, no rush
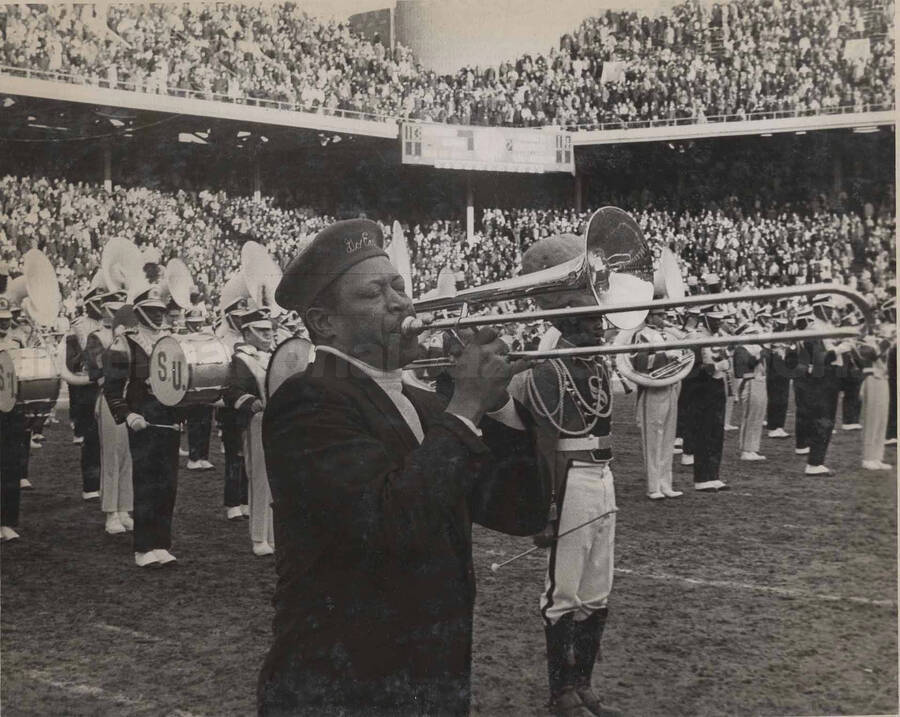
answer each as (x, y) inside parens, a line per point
(440, 357)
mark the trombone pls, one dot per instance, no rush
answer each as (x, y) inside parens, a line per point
(616, 268)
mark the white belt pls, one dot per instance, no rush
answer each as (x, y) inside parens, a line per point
(586, 443)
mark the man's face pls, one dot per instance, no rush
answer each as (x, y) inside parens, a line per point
(656, 319)
(4, 326)
(155, 315)
(259, 337)
(579, 331)
(370, 303)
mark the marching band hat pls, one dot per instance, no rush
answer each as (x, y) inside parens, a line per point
(149, 298)
(331, 253)
(712, 311)
(5, 313)
(822, 300)
(804, 312)
(551, 252)
(255, 319)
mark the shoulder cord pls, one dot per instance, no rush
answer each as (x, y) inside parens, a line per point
(566, 385)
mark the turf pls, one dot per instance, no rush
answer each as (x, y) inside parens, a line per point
(778, 597)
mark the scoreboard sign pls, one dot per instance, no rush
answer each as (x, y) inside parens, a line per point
(488, 149)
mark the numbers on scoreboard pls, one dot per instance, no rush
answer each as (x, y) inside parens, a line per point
(170, 373)
(412, 140)
(563, 149)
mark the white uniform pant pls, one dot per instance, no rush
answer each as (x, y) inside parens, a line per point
(580, 565)
(730, 394)
(262, 527)
(875, 401)
(754, 401)
(657, 417)
(116, 491)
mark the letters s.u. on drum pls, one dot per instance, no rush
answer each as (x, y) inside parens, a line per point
(28, 377)
(291, 356)
(189, 370)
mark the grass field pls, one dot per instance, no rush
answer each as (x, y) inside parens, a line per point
(776, 598)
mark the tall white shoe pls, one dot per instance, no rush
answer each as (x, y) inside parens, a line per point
(852, 427)
(78, 440)
(779, 433)
(146, 560)
(233, 513)
(752, 456)
(7, 533)
(25, 484)
(890, 442)
(35, 444)
(126, 520)
(90, 495)
(679, 443)
(245, 510)
(114, 525)
(207, 466)
(183, 453)
(801, 451)
(729, 427)
(816, 470)
(669, 493)
(164, 557)
(876, 466)
(658, 495)
(194, 465)
(261, 548)
(687, 459)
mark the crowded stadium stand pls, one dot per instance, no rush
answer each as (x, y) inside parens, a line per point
(695, 63)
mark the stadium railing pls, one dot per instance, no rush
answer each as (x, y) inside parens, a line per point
(368, 116)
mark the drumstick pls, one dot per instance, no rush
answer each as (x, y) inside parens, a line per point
(496, 566)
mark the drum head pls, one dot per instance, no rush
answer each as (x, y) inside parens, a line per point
(169, 372)
(290, 357)
(8, 387)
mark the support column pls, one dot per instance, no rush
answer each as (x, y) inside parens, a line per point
(257, 182)
(470, 208)
(107, 167)
(578, 192)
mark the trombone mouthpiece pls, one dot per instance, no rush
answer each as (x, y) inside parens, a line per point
(411, 325)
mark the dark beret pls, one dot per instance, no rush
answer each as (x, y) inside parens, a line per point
(551, 251)
(331, 253)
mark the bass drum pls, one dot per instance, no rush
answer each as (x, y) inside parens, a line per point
(290, 356)
(189, 370)
(28, 377)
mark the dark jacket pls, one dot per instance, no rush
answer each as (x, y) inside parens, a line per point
(375, 595)
(127, 388)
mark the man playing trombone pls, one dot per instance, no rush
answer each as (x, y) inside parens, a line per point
(375, 487)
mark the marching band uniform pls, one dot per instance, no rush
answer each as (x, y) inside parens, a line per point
(246, 395)
(153, 431)
(852, 377)
(816, 389)
(871, 355)
(656, 415)
(116, 493)
(750, 370)
(684, 429)
(891, 432)
(708, 407)
(570, 401)
(20, 333)
(83, 398)
(236, 481)
(778, 383)
(375, 488)
(13, 445)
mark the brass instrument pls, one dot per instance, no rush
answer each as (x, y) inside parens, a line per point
(616, 269)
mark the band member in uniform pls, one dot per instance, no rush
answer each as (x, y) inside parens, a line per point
(246, 395)
(116, 495)
(816, 388)
(153, 429)
(656, 413)
(83, 397)
(236, 483)
(684, 443)
(708, 404)
(778, 380)
(13, 445)
(889, 314)
(199, 418)
(851, 375)
(375, 486)
(23, 335)
(871, 356)
(750, 370)
(571, 401)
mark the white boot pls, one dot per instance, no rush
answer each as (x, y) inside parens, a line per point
(113, 524)
(7, 533)
(126, 520)
(261, 548)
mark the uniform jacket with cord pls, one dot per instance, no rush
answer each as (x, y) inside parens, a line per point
(376, 587)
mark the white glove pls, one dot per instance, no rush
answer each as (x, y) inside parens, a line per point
(256, 406)
(136, 422)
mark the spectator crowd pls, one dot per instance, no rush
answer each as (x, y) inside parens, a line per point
(756, 248)
(694, 63)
